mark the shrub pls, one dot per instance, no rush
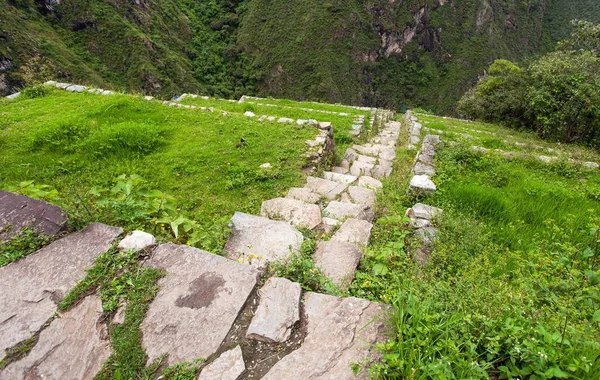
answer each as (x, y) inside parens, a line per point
(34, 92)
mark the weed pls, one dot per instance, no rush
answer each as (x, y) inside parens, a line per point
(24, 243)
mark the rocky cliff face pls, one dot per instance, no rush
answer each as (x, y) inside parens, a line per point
(374, 52)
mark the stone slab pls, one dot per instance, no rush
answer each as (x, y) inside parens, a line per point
(18, 211)
(359, 168)
(256, 240)
(298, 213)
(34, 285)
(369, 183)
(229, 366)
(338, 261)
(277, 312)
(340, 331)
(326, 188)
(73, 347)
(198, 301)
(337, 177)
(423, 169)
(423, 211)
(342, 210)
(303, 194)
(354, 231)
(362, 195)
(382, 170)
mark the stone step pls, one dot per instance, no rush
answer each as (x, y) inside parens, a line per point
(340, 332)
(339, 170)
(362, 195)
(298, 213)
(370, 183)
(338, 261)
(278, 311)
(32, 286)
(342, 178)
(303, 194)
(229, 366)
(422, 184)
(74, 346)
(354, 231)
(341, 210)
(256, 240)
(360, 168)
(326, 188)
(199, 299)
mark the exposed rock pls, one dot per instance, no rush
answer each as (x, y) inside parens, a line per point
(249, 114)
(199, 299)
(591, 165)
(382, 170)
(359, 168)
(422, 184)
(34, 285)
(354, 231)
(137, 241)
(339, 170)
(229, 366)
(119, 317)
(362, 195)
(423, 169)
(266, 165)
(18, 212)
(341, 210)
(277, 312)
(257, 240)
(369, 183)
(285, 120)
(13, 96)
(338, 261)
(342, 178)
(326, 188)
(423, 211)
(340, 331)
(367, 159)
(74, 346)
(303, 194)
(324, 125)
(296, 212)
(76, 88)
(427, 235)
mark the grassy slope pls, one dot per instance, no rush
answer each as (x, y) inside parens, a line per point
(508, 279)
(192, 155)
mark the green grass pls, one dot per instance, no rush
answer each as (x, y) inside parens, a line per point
(341, 124)
(512, 287)
(21, 245)
(209, 162)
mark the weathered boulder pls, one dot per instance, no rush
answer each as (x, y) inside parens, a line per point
(74, 346)
(229, 366)
(137, 241)
(34, 285)
(277, 312)
(199, 299)
(296, 212)
(354, 231)
(18, 211)
(340, 331)
(338, 261)
(257, 240)
(341, 210)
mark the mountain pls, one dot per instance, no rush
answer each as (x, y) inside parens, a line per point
(389, 53)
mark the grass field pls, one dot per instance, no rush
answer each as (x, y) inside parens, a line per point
(512, 287)
(208, 162)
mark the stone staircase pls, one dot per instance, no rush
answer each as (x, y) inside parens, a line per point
(212, 307)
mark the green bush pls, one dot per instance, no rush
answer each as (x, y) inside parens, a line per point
(34, 92)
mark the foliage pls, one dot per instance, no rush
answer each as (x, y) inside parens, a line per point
(557, 95)
(24, 243)
(182, 371)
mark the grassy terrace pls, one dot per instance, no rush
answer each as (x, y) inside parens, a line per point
(342, 124)
(512, 287)
(208, 162)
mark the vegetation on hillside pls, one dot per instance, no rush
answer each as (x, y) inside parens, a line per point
(557, 95)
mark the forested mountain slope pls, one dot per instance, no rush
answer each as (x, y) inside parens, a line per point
(375, 52)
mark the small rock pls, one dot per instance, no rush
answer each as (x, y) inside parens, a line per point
(423, 211)
(422, 184)
(285, 120)
(13, 96)
(229, 366)
(324, 125)
(249, 114)
(266, 165)
(137, 241)
(76, 88)
(591, 165)
(277, 312)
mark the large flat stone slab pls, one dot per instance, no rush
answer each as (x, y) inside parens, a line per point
(362, 195)
(277, 312)
(32, 286)
(229, 366)
(326, 188)
(198, 301)
(74, 346)
(303, 194)
(370, 183)
(342, 210)
(298, 213)
(354, 231)
(340, 331)
(18, 211)
(256, 240)
(337, 177)
(360, 168)
(338, 261)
